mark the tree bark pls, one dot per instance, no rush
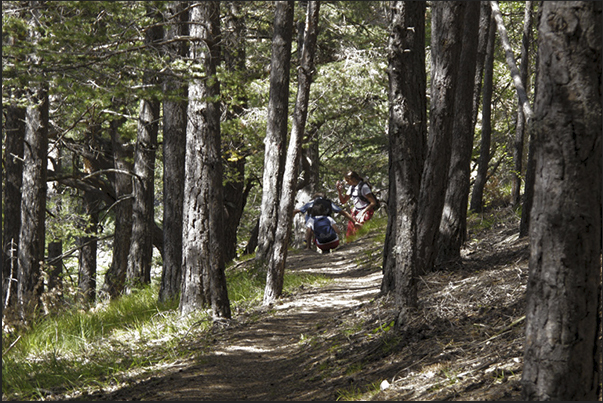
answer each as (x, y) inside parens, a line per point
(204, 281)
(234, 55)
(562, 355)
(174, 136)
(276, 265)
(33, 201)
(504, 38)
(453, 226)
(88, 248)
(407, 139)
(477, 195)
(447, 28)
(276, 127)
(11, 199)
(116, 275)
(518, 145)
(140, 256)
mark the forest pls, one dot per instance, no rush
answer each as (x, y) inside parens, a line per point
(154, 155)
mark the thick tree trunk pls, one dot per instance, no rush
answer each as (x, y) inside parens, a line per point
(447, 29)
(33, 201)
(11, 199)
(174, 136)
(453, 226)
(477, 195)
(562, 355)
(518, 145)
(407, 139)
(203, 280)
(276, 265)
(276, 127)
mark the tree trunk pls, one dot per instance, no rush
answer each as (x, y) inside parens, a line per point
(276, 127)
(447, 29)
(235, 158)
(518, 145)
(203, 280)
(276, 265)
(453, 226)
(477, 195)
(174, 136)
(562, 350)
(11, 199)
(519, 85)
(407, 139)
(116, 275)
(140, 256)
(33, 201)
(88, 248)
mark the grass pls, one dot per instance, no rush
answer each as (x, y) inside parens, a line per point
(76, 350)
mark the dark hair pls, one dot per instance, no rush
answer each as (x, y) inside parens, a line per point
(353, 175)
(317, 195)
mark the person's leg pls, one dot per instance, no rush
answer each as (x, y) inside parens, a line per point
(309, 238)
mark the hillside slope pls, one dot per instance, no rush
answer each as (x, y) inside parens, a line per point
(336, 342)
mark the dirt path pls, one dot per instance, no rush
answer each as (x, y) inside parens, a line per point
(267, 356)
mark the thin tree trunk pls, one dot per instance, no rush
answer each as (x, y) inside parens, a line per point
(11, 199)
(453, 226)
(88, 249)
(447, 29)
(562, 354)
(174, 136)
(141, 245)
(477, 195)
(235, 158)
(518, 145)
(276, 265)
(276, 128)
(504, 38)
(407, 138)
(116, 275)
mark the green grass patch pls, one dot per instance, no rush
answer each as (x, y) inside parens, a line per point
(84, 350)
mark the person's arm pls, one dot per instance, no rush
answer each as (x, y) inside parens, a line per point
(371, 206)
(348, 216)
(343, 198)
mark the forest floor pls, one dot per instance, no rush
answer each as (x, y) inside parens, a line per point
(337, 342)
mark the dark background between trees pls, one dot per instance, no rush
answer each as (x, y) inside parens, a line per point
(162, 140)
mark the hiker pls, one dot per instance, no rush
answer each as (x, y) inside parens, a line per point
(309, 210)
(364, 202)
(326, 232)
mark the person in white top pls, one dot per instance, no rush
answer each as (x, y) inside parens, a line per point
(363, 200)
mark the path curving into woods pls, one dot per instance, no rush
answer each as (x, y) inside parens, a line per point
(273, 353)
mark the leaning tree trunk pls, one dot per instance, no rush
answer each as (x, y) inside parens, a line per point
(453, 226)
(276, 127)
(276, 264)
(203, 280)
(174, 136)
(447, 29)
(562, 356)
(407, 138)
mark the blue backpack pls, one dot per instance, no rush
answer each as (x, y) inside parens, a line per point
(323, 230)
